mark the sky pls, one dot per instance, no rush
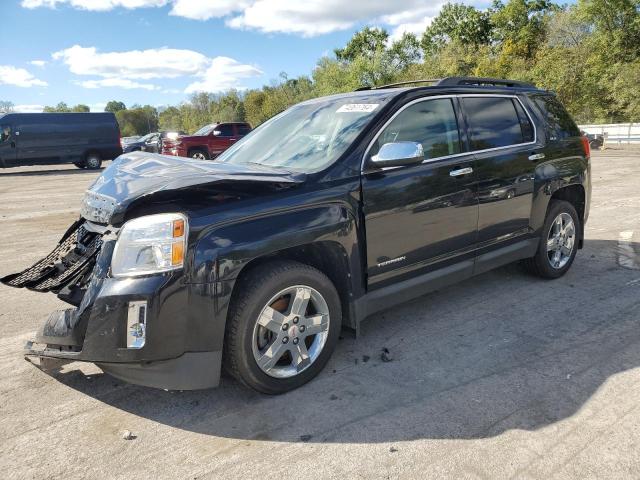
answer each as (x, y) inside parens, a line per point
(158, 52)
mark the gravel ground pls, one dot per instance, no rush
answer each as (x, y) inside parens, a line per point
(501, 376)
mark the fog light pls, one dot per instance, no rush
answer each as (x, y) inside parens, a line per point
(136, 324)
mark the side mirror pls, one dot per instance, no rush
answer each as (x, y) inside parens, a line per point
(217, 133)
(398, 154)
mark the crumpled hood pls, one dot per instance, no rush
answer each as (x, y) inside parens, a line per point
(137, 174)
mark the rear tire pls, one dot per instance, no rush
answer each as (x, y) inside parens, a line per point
(93, 161)
(198, 154)
(558, 241)
(80, 165)
(283, 325)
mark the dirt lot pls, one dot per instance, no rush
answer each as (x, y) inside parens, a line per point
(502, 376)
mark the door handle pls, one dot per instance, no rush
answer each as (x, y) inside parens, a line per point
(460, 171)
(536, 156)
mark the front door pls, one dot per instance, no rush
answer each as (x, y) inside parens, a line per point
(8, 146)
(420, 217)
(221, 139)
(502, 136)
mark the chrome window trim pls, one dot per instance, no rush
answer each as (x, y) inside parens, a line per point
(471, 152)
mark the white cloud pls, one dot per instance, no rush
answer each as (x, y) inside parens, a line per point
(38, 63)
(206, 9)
(411, 21)
(127, 69)
(315, 17)
(307, 18)
(133, 64)
(95, 5)
(28, 108)
(19, 77)
(117, 83)
(223, 73)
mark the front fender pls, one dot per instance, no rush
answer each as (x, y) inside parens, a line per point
(223, 251)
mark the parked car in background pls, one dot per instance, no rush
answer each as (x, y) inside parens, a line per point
(208, 142)
(84, 139)
(151, 142)
(140, 144)
(130, 139)
(596, 140)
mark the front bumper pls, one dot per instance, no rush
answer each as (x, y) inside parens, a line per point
(184, 329)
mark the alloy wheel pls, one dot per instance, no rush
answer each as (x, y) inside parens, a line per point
(199, 156)
(561, 240)
(291, 331)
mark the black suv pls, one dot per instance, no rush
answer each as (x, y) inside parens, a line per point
(333, 210)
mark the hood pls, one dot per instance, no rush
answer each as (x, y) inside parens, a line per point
(138, 174)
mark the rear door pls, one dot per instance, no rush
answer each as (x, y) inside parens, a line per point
(8, 145)
(421, 217)
(503, 139)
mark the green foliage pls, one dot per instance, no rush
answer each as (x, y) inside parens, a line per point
(137, 121)
(59, 108)
(81, 108)
(457, 23)
(114, 106)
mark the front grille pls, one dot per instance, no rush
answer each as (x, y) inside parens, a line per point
(74, 255)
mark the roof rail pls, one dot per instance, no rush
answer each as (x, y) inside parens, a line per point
(458, 81)
(433, 81)
(482, 81)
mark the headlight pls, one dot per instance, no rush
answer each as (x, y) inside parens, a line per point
(150, 244)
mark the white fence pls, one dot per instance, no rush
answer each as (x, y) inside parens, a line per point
(616, 133)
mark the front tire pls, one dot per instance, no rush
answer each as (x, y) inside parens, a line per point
(283, 325)
(558, 242)
(93, 161)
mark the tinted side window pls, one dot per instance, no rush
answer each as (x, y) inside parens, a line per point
(432, 123)
(243, 129)
(526, 126)
(5, 133)
(493, 122)
(559, 123)
(226, 130)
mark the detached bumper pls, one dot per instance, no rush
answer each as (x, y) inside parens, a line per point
(180, 351)
(191, 371)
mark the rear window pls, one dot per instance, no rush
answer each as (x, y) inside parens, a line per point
(494, 122)
(243, 129)
(559, 123)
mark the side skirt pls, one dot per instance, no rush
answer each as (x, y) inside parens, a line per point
(392, 295)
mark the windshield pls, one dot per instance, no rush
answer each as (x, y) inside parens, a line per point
(206, 130)
(307, 137)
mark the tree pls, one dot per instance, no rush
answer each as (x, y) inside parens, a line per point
(81, 108)
(6, 106)
(457, 23)
(519, 26)
(364, 43)
(114, 106)
(59, 108)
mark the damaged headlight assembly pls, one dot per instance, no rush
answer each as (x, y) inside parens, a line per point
(150, 244)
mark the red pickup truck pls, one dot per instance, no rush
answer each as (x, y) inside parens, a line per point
(208, 142)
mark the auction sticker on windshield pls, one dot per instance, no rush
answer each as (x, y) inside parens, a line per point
(358, 107)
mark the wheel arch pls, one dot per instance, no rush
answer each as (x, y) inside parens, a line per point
(329, 257)
(323, 236)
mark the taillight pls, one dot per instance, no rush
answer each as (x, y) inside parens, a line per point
(586, 146)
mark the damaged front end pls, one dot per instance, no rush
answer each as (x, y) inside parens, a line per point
(73, 272)
(148, 327)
